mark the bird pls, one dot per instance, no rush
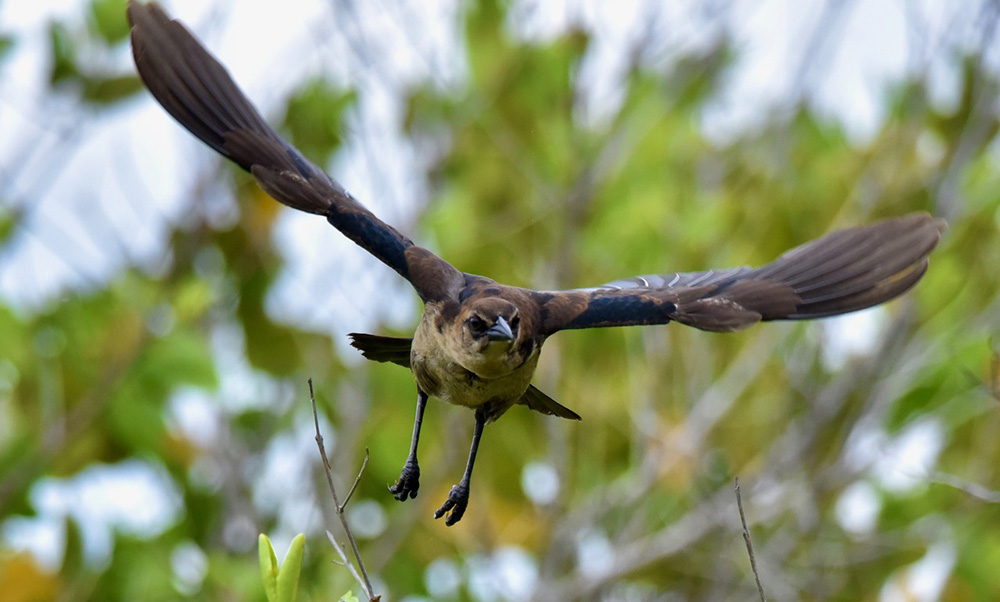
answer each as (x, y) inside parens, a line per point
(478, 341)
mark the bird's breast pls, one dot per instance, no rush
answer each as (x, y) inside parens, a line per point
(439, 375)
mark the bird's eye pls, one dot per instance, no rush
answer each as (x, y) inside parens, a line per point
(515, 321)
(476, 324)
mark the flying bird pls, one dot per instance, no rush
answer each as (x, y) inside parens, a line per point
(478, 341)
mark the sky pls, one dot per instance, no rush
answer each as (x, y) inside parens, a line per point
(124, 174)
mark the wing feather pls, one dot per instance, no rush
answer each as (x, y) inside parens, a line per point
(841, 272)
(200, 94)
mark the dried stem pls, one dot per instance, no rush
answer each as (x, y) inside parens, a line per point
(746, 538)
(357, 480)
(343, 557)
(365, 582)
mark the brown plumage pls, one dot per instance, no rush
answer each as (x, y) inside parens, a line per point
(478, 341)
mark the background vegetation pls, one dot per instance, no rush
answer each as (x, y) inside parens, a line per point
(871, 473)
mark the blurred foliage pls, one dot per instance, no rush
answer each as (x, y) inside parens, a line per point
(525, 189)
(94, 85)
(107, 17)
(6, 43)
(315, 116)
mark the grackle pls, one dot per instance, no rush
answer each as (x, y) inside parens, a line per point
(478, 341)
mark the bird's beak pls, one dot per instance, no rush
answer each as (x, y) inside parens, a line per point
(500, 331)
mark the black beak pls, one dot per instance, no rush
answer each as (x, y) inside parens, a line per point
(500, 331)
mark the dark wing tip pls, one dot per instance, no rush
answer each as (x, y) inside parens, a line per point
(841, 272)
(198, 91)
(873, 265)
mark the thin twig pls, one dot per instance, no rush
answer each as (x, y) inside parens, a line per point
(746, 538)
(357, 480)
(364, 580)
(343, 557)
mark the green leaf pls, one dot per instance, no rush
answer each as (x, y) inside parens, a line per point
(182, 357)
(349, 597)
(268, 567)
(135, 416)
(281, 584)
(107, 90)
(72, 561)
(6, 43)
(63, 54)
(9, 217)
(314, 118)
(109, 20)
(269, 346)
(291, 568)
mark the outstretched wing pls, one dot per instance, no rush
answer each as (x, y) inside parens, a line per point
(839, 273)
(199, 93)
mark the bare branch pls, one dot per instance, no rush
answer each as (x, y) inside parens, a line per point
(343, 557)
(357, 480)
(746, 538)
(365, 582)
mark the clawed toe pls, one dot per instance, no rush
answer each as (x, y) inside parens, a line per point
(458, 501)
(408, 483)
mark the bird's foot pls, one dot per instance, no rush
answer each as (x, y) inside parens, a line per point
(458, 501)
(408, 483)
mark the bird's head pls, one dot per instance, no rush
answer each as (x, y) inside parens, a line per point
(489, 332)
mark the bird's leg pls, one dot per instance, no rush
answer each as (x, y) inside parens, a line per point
(409, 479)
(458, 499)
